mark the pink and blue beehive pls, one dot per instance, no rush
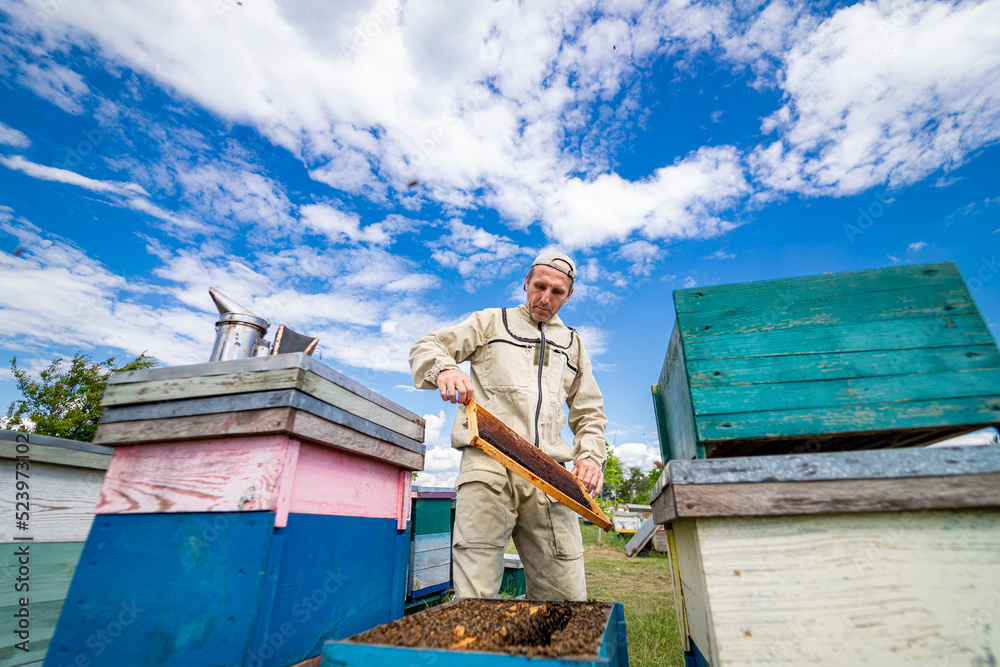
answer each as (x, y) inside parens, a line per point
(252, 510)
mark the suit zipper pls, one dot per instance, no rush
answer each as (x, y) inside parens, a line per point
(541, 363)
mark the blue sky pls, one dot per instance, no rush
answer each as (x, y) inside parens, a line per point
(369, 171)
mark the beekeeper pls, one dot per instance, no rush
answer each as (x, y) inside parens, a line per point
(526, 365)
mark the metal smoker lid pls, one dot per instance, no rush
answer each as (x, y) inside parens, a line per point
(235, 313)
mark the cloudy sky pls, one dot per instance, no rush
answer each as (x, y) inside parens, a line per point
(369, 171)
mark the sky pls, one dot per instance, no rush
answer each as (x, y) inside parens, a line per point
(367, 172)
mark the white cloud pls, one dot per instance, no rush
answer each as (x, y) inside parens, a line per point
(642, 256)
(361, 93)
(679, 201)
(44, 173)
(478, 255)
(884, 92)
(339, 225)
(917, 247)
(638, 454)
(69, 300)
(720, 254)
(976, 438)
(232, 194)
(441, 460)
(55, 83)
(594, 339)
(689, 282)
(11, 137)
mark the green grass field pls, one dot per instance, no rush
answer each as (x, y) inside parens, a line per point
(643, 585)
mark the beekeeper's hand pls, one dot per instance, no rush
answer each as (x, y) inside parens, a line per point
(455, 386)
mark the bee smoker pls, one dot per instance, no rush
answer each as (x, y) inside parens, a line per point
(238, 334)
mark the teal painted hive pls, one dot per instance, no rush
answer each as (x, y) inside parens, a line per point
(873, 359)
(61, 481)
(430, 549)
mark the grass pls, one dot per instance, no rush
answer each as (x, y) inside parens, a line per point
(643, 586)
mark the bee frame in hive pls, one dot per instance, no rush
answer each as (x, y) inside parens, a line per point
(519, 456)
(474, 627)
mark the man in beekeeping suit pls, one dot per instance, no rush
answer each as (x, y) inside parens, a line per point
(526, 366)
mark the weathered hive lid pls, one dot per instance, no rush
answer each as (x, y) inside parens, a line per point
(49, 449)
(288, 393)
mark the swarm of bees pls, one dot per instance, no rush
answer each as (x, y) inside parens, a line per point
(517, 627)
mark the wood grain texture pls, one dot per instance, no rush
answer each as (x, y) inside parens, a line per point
(682, 439)
(887, 391)
(860, 356)
(61, 504)
(830, 466)
(316, 429)
(429, 576)
(49, 442)
(660, 414)
(156, 391)
(664, 506)
(786, 498)
(151, 415)
(694, 593)
(959, 331)
(270, 421)
(882, 589)
(973, 412)
(221, 475)
(182, 587)
(164, 395)
(431, 542)
(273, 421)
(328, 588)
(52, 565)
(675, 573)
(330, 482)
(60, 456)
(821, 304)
(262, 364)
(43, 622)
(786, 293)
(432, 558)
(717, 373)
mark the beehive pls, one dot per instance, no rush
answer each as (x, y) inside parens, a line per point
(861, 360)
(430, 551)
(252, 509)
(63, 480)
(492, 632)
(883, 557)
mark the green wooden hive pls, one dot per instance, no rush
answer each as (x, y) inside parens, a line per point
(873, 359)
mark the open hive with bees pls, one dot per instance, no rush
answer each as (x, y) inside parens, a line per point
(584, 633)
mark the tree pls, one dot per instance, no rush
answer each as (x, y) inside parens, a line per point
(634, 488)
(613, 478)
(66, 404)
(652, 477)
